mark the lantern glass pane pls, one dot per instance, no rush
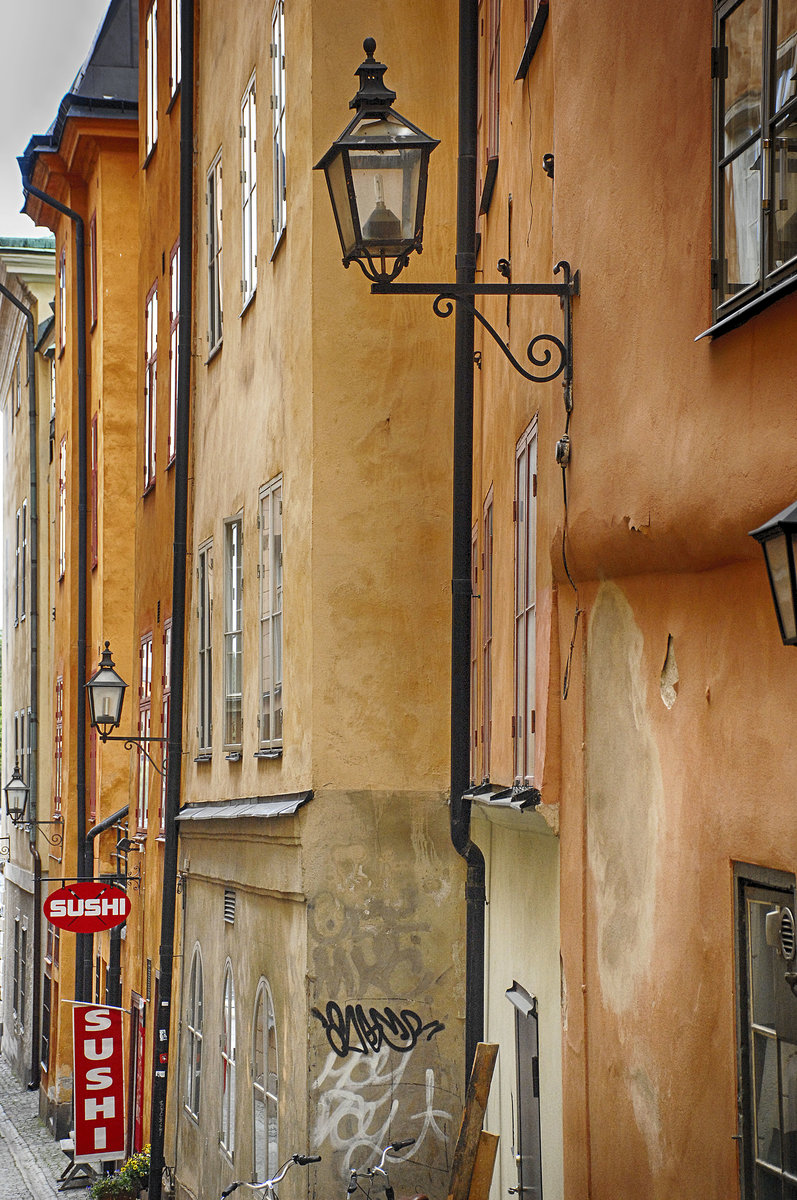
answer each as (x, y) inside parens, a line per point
(777, 557)
(336, 178)
(386, 188)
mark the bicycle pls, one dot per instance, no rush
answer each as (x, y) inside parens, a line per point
(377, 1175)
(269, 1185)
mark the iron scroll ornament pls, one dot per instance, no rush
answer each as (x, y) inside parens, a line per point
(443, 306)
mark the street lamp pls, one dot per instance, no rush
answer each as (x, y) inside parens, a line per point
(106, 690)
(376, 172)
(16, 793)
(777, 538)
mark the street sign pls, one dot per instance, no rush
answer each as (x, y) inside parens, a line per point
(98, 1082)
(87, 907)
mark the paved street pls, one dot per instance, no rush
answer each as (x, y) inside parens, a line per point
(30, 1160)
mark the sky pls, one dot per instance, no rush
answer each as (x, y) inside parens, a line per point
(44, 45)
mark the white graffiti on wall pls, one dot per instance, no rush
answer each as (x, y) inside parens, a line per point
(359, 1103)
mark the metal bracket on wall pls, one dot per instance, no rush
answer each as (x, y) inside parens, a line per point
(541, 350)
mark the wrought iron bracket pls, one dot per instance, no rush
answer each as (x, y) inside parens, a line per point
(136, 743)
(57, 839)
(541, 350)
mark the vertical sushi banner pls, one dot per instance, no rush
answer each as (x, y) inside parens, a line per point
(98, 1082)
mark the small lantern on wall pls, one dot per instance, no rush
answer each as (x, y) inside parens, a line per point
(777, 539)
(376, 172)
(16, 792)
(106, 690)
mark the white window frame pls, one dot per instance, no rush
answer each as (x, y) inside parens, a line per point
(166, 706)
(523, 723)
(151, 50)
(23, 561)
(233, 631)
(249, 191)
(487, 631)
(62, 508)
(174, 347)
(62, 301)
(279, 216)
(150, 385)
(265, 1086)
(144, 729)
(228, 1048)
(204, 612)
(192, 1095)
(175, 44)
(270, 717)
(213, 200)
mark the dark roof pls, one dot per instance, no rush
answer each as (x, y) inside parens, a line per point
(106, 85)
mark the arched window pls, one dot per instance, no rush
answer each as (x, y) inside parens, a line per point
(228, 1065)
(193, 1049)
(265, 1086)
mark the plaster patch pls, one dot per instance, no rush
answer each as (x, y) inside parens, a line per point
(624, 793)
(645, 1100)
(669, 675)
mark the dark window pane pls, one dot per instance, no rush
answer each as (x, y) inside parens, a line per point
(765, 1073)
(742, 38)
(741, 219)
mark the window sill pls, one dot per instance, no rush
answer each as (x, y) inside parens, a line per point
(173, 97)
(150, 154)
(149, 488)
(233, 756)
(171, 462)
(214, 350)
(748, 310)
(248, 302)
(278, 243)
(535, 33)
(204, 758)
(275, 753)
(489, 183)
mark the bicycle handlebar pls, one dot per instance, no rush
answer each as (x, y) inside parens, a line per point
(301, 1160)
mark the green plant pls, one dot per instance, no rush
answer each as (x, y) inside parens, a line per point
(113, 1187)
(136, 1169)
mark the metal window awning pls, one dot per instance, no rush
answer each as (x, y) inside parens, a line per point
(253, 807)
(518, 797)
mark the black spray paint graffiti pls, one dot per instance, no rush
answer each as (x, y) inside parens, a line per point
(400, 1031)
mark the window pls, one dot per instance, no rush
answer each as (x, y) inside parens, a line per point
(150, 384)
(474, 655)
(176, 42)
(767, 1030)
(487, 631)
(93, 267)
(46, 1008)
(20, 968)
(755, 158)
(94, 493)
(213, 199)
(92, 774)
(228, 1065)
(62, 300)
(265, 1087)
(174, 344)
(23, 560)
(59, 744)
(17, 386)
(16, 566)
(278, 118)
(166, 698)
(233, 630)
(144, 728)
(528, 1150)
(492, 85)
(270, 521)
(525, 603)
(193, 1049)
(151, 46)
(249, 191)
(204, 611)
(62, 508)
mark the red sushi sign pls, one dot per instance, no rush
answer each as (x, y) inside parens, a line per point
(87, 907)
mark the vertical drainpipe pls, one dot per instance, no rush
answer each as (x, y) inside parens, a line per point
(33, 722)
(84, 869)
(175, 744)
(461, 536)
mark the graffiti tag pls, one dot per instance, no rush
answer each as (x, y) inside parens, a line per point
(400, 1031)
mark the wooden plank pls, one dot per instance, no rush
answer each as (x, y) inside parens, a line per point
(482, 1175)
(472, 1117)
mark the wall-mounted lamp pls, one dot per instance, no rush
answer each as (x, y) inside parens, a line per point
(106, 690)
(777, 538)
(16, 794)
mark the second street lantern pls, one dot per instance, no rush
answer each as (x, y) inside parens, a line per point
(376, 172)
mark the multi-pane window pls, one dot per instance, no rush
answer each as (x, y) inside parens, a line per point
(193, 1049)
(174, 346)
(204, 574)
(166, 700)
(278, 119)
(92, 774)
(20, 969)
(270, 520)
(528, 1144)
(489, 117)
(144, 728)
(151, 50)
(62, 508)
(17, 386)
(767, 1029)
(47, 986)
(233, 630)
(93, 267)
(62, 300)
(59, 745)
(228, 1065)
(17, 544)
(175, 35)
(474, 654)
(213, 198)
(23, 564)
(150, 384)
(525, 603)
(265, 1086)
(755, 160)
(94, 491)
(249, 191)
(487, 632)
